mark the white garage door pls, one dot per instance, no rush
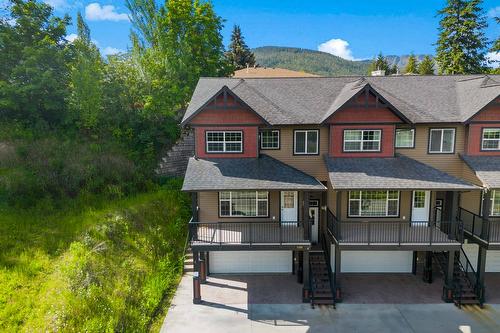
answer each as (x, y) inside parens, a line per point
(250, 262)
(375, 261)
(492, 258)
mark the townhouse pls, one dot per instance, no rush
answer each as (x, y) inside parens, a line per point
(324, 176)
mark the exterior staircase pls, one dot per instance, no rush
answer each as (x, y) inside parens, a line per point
(188, 262)
(321, 292)
(465, 289)
(176, 161)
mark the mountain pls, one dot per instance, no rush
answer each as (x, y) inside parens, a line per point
(317, 62)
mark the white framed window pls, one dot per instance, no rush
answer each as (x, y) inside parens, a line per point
(224, 141)
(243, 203)
(405, 138)
(270, 139)
(362, 140)
(495, 203)
(441, 140)
(490, 139)
(374, 203)
(306, 142)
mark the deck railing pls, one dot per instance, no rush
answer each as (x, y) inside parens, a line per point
(248, 233)
(474, 224)
(393, 232)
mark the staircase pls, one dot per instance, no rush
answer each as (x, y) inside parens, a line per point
(176, 161)
(188, 262)
(464, 292)
(321, 292)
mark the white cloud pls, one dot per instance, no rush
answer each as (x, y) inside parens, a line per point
(108, 50)
(495, 58)
(494, 12)
(338, 47)
(96, 12)
(58, 4)
(71, 37)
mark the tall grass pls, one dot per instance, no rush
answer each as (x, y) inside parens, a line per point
(109, 266)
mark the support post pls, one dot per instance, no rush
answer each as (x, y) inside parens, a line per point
(427, 276)
(337, 274)
(452, 234)
(300, 266)
(481, 268)
(414, 263)
(196, 278)
(305, 273)
(448, 284)
(486, 211)
(306, 219)
(194, 206)
(203, 267)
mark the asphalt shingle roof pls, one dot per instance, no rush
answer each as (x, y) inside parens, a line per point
(487, 169)
(310, 100)
(397, 173)
(264, 173)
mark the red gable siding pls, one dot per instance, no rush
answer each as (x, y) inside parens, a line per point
(474, 139)
(490, 113)
(250, 147)
(364, 115)
(226, 112)
(337, 141)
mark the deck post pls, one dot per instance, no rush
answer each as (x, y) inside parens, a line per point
(414, 263)
(453, 215)
(203, 267)
(336, 274)
(481, 268)
(448, 284)
(486, 210)
(427, 277)
(194, 206)
(306, 219)
(305, 273)
(196, 278)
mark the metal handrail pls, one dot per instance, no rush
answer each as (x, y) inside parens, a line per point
(327, 251)
(473, 221)
(472, 278)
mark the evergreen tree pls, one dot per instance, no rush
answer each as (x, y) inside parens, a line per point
(239, 55)
(85, 101)
(379, 63)
(461, 47)
(496, 43)
(426, 66)
(411, 66)
(393, 70)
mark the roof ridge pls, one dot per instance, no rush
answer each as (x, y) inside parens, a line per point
(267, 99)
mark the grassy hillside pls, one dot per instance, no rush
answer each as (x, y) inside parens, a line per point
(310, 61)
(107, 267)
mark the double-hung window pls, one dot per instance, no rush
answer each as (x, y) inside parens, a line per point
(405, 137)
(374, 203)
(491, 139)
(441, 140)
(306, 142)
(270, 139)
(243, 203)
(495, 203)
(362, 140)
(224, 141)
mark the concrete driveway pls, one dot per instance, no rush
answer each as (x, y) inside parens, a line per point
(259, 304)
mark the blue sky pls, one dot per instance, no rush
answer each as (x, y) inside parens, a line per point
(353, 30)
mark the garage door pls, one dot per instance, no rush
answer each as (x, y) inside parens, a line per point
(250, 262)
(492, 257)
(376, 261)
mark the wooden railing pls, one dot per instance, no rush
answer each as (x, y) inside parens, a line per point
(249, 233)
(474, 224)
(393, 232)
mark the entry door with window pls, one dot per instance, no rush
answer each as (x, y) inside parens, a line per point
(420, 207)
(289, 207)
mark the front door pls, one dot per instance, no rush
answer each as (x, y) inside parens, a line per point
(420, 207)
(314, 218)
(289, 206)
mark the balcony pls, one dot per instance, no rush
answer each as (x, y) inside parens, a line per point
(485, 232)
(394, 235)
(254, 235)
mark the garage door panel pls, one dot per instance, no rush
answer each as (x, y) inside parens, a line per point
(377, 261)
(250, 262)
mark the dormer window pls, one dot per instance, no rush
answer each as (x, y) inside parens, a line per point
(224, 141)
(491, 139)
(362, 140)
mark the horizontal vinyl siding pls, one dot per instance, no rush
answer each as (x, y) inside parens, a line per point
(208, 203)
(471, 201)
(313, 165)
(449, 163)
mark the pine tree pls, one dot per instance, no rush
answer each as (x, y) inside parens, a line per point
(239, 54)
(426, 66)
(496, 43)
(380, 63)
(461, 46)
(411, 66)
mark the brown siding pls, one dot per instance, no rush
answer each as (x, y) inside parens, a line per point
(449, 163)
(471, 201)
(209, 208)
(313, 165)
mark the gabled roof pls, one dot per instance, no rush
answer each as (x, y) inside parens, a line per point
(393, 173)
(264, 173)
(293, 101)
(487, 169)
